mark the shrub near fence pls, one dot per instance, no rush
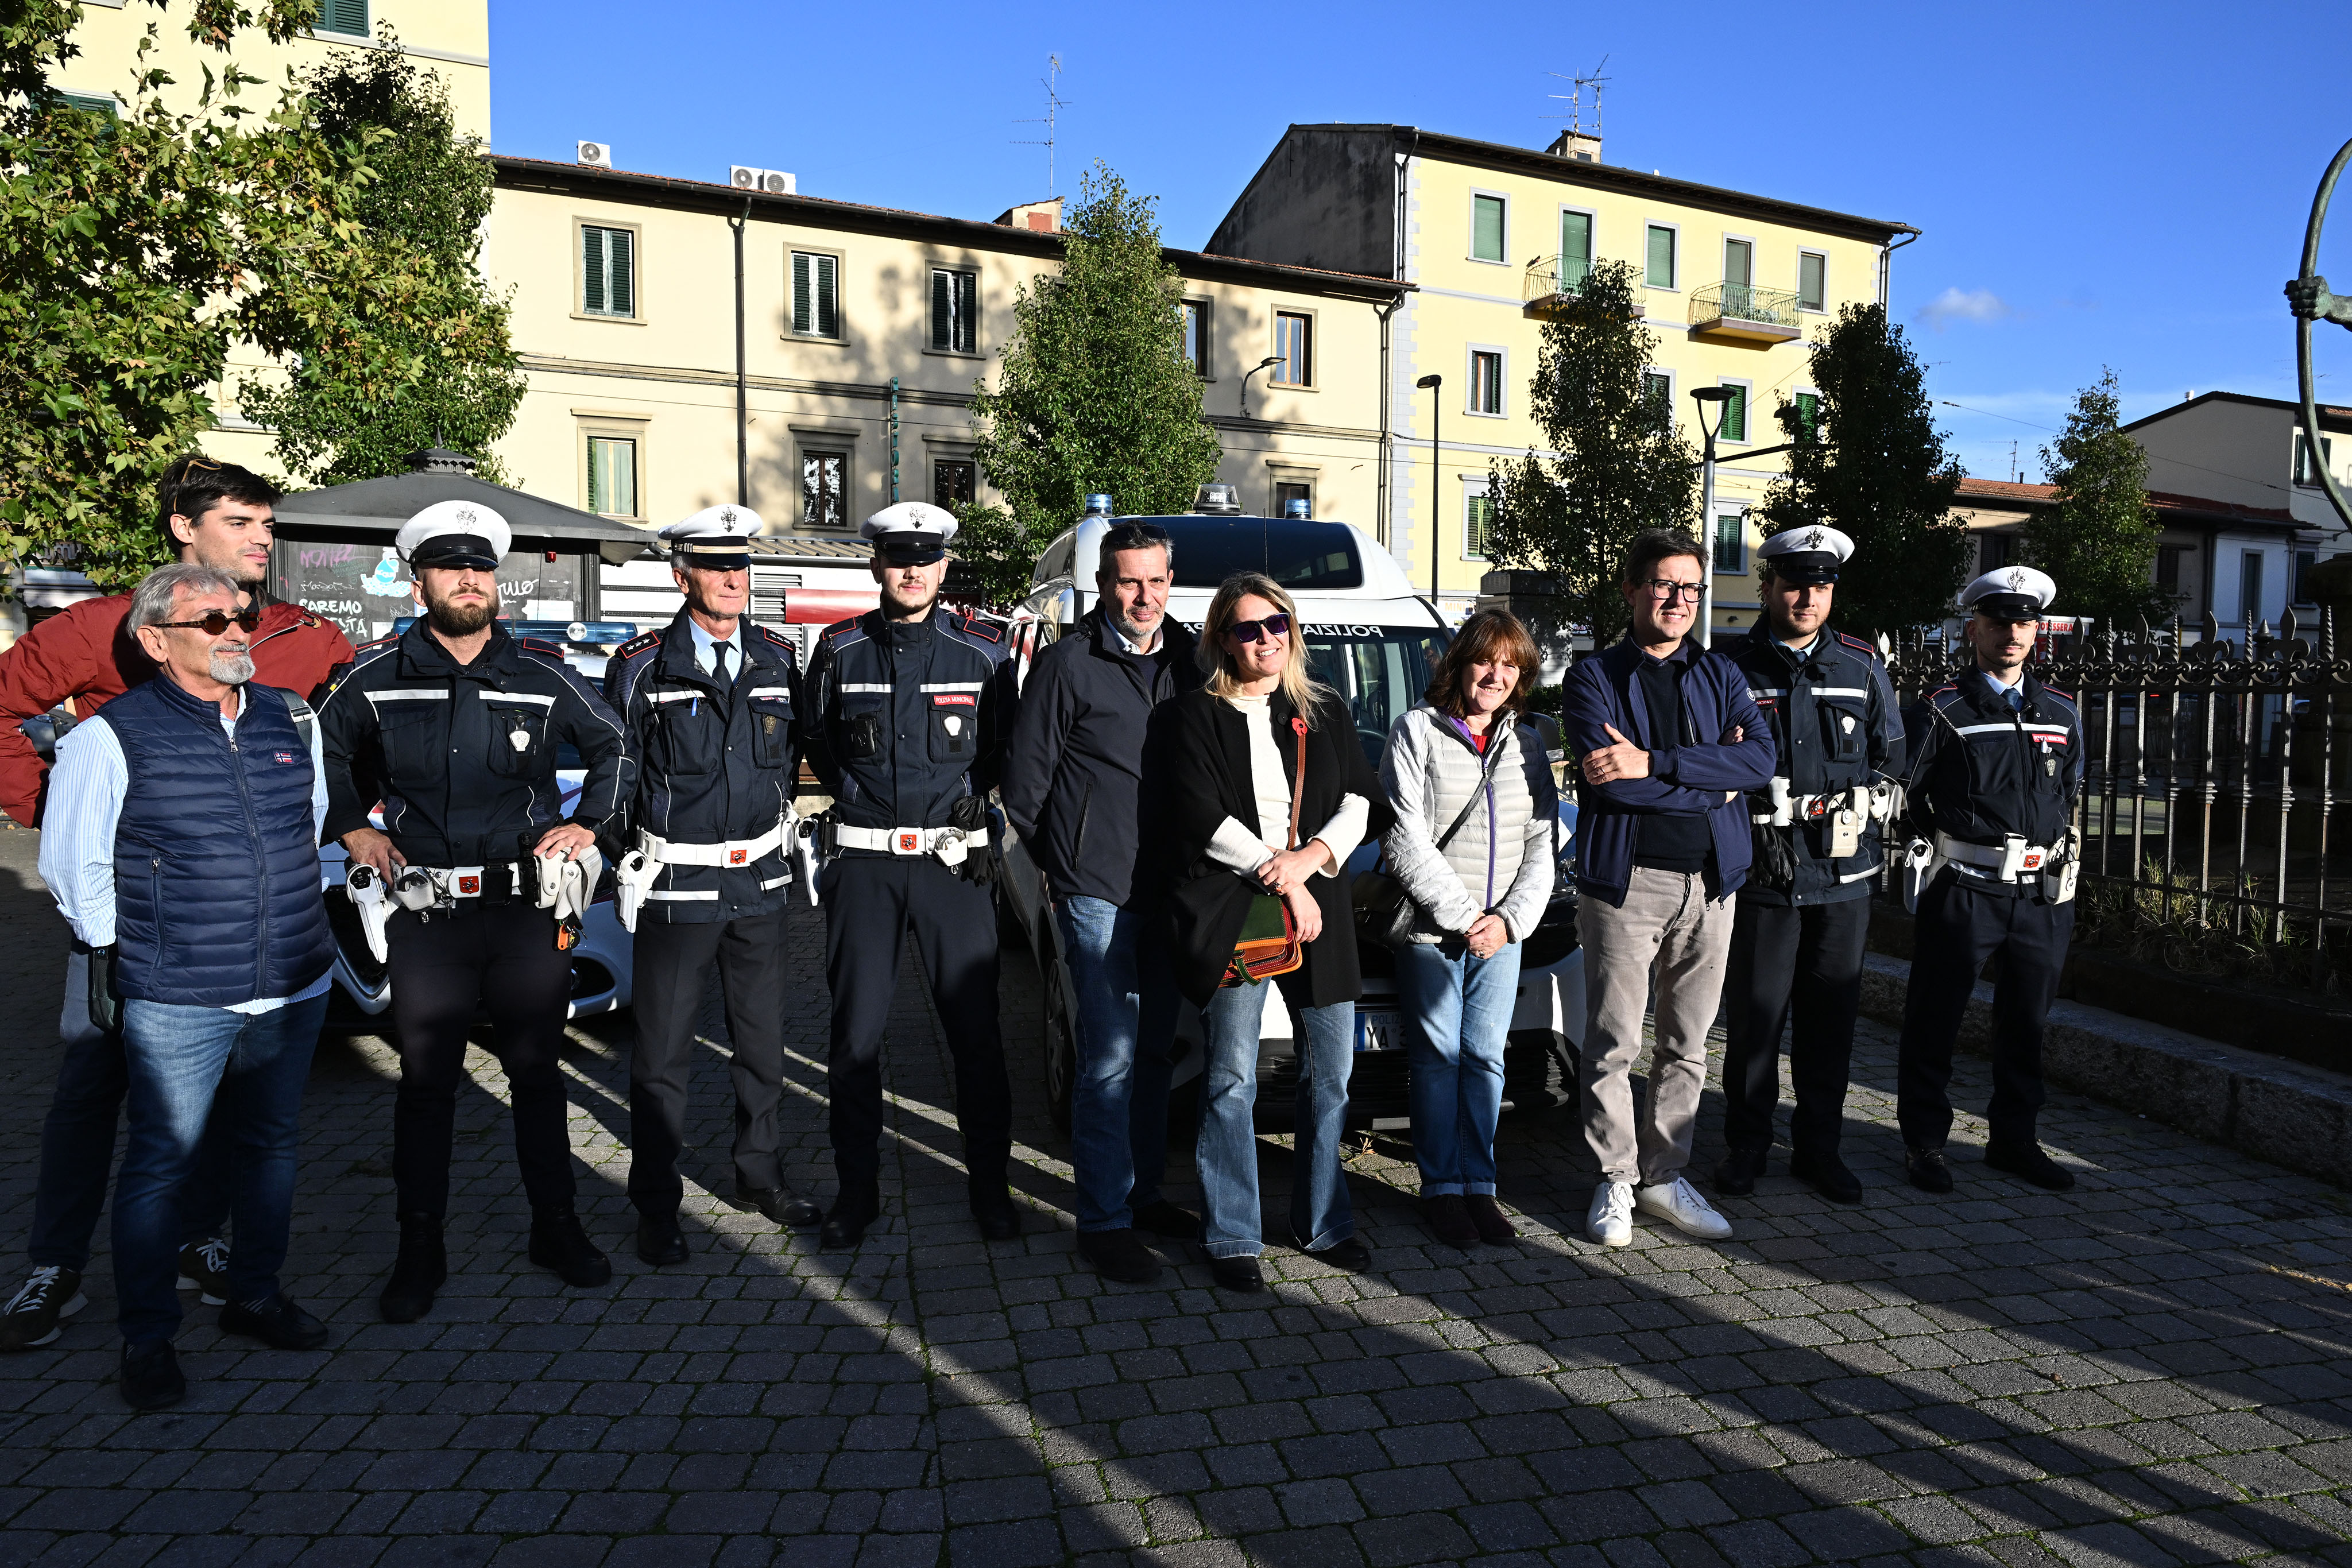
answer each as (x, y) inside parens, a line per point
(2212, 772)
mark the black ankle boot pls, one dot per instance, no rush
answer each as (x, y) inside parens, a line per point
(421, 1268)
(558, 1242)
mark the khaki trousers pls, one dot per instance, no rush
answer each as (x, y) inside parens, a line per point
(1667, 927)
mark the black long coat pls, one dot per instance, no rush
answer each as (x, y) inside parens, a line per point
(1201, 747)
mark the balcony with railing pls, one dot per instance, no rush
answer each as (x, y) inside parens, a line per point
(1746, 312)
(1553, 283)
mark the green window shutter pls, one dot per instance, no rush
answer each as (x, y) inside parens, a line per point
(1576, 237)
(343, 16)
(828, 297)
(1813, 281)
(1735, 415)
(592, 271)
(1486, 227)
(1661, 273)
(942, 324)
(803, 308)
(1809, 414)
(91, 103)
(612, 477)
(622, 272)
(1477, 515)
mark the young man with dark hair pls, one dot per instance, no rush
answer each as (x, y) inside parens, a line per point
(1668, 741)
(216, 515)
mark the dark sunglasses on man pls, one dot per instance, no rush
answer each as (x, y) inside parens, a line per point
(1251, 630)
(218, 622)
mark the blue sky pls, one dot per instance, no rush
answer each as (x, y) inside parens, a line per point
(2100, 183)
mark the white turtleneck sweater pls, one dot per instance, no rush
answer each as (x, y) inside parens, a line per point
(1244, 849)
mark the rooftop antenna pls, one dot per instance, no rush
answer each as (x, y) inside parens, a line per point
(1574, 99)
(1050, 119)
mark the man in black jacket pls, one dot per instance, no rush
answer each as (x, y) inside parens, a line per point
(1072, 785)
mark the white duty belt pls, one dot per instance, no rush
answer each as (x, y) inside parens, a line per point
(1844, 812)
(950, 844)
(659, 850)
(2011, 859)
(2014, 861)
(635, 874)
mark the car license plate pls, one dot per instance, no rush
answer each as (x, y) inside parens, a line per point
(1378, 1029)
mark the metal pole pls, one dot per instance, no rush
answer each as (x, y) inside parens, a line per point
(1706, 538)
(1436, 498)
(742, 410)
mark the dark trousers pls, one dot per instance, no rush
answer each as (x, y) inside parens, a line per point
(670, 963)
(1801, 961)
(871, 903)
(78, 1141)
(498, 957)
(1958, 927)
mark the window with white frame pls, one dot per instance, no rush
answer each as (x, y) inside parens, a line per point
(346, 16)
(1294, 349)
(1731, 541)
(1735, 413)
(1477, 517)
(1658, 386)
(1659, 258)
(1485, 382)
(613, 476)
(1488, 237)
(1812, 280)
(1195, 349)
(825, 488)
(816, 294)
(608, 271)
(955, 310)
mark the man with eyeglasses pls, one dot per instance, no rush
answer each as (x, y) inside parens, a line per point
(181, 846)
(1668, 741)
(1072, 785)
(210, 514)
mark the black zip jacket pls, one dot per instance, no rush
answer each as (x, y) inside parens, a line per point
(1980, 772)
(905, 719)
(1835, 724)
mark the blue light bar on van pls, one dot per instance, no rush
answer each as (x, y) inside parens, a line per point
(1099, 503)
(588, 632)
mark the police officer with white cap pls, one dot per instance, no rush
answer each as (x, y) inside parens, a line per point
(1803, 916)
(909, 707)
(1996, 761)
(475, 884)
(709, 706)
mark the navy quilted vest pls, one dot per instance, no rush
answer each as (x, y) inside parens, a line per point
(216, 892)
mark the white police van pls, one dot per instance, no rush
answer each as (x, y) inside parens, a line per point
(1373, 639)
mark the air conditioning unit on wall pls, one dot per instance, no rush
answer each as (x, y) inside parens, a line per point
(596, 154)
(773, 181)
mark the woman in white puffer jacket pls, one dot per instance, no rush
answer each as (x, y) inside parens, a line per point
(1473, 903)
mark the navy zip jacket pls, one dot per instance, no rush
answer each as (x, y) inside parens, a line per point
(1690, 773)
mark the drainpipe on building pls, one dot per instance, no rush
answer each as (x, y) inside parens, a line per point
(1887, 265)
(1386, 460)
(742, 407)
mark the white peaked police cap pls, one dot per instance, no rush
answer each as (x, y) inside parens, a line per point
(911, 533)
(455, 533)
(715, 536)
(2011, 594)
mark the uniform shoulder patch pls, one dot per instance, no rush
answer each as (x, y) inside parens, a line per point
(639, 644)
(541, 645)
(379, 643)
(1856, 643)
(778, 638)
(2055, 691)
(840, 629)
(981, 628)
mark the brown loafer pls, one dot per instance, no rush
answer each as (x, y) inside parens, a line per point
(1495, 1226)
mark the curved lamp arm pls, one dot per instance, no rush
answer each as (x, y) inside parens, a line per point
(2317, 302)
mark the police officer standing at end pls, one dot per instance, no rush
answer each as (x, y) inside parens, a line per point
(709, 703)
(1996, 758)
(1804, 911)
(911, 708)
(474, 887)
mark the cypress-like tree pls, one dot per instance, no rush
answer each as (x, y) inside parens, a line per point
(1872, 464)
(1093, 394)
(1621, 467)
(2098, 543)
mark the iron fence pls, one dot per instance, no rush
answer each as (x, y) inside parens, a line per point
(2211, 776)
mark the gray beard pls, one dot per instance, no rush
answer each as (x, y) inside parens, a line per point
(230, 669)
(1119, 623)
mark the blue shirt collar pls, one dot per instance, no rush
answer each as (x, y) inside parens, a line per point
(704, 642)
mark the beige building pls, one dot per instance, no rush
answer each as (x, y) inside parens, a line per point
(1733, 285)
(862, 333)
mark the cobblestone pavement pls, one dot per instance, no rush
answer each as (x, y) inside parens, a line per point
(2150, 1369)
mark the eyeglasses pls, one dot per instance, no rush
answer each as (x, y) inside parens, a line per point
(1667, 589)
(1251, 630)
(217, 623)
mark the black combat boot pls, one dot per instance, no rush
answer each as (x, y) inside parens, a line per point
(421, 1268)
(558, 1242)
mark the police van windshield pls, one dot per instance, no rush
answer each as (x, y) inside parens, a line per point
(1380, 672)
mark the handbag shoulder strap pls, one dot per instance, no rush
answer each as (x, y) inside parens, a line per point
(1298, 784)
(1494, 746)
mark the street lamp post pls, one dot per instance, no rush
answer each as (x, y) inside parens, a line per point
(1708, 398)
(1265, 364)
(1437, 490)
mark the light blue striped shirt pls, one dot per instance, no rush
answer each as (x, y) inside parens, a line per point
(77, 863)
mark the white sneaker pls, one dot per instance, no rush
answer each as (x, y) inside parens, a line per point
(1610, 1221)
(1679, 1205)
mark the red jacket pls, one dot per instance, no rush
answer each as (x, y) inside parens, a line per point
(85, 655)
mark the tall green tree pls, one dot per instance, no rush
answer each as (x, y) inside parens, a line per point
(1870, 464)
(136, 248)
(2098, 543)
(1621, 468)
(1093, 393)
(431, 190)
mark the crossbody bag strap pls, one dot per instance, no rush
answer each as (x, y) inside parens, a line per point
(1298, 788)
(1486, 777)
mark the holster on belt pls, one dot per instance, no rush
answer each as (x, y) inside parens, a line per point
(1920, 865)
(810, 841)
(366, 891)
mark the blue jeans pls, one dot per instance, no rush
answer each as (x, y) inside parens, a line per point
(1458, 1012)
(180, 1057)
(78, 1141)
(1126, 1032)
(1320, 1216)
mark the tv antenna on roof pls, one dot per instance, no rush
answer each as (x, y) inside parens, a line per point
(1574, 99)
(1050, 119)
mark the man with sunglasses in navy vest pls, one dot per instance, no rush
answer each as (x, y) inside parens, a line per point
(183, 849)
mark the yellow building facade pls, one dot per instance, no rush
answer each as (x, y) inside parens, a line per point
(1733, 288)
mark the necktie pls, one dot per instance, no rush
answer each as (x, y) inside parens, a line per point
(718, 663)
(2016, 700)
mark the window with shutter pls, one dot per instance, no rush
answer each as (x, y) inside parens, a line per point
(343, 16)
(1735, 415)
(1477, 516)
(1294, 347)
(1812, 280)
(1575, 250)
(607, 271)
(1731, 542)
(955, 297)
(1661, 271)
(92, 103)
(816, 294)
(1809, 414)
(1659, 388)
(1486, 228)
(1738, 263)
(611, 476)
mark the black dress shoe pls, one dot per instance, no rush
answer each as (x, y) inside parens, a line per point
(845, 1227)
(1349, 1255)
(1926, 1169)
(279, 1323)
(780, 1204)
(1826, 1175)
(1236, 1273)
(1736, 1175)
(151, 1379)
(558, 1242)
(2027, 1161)
(1119, 1255)
(660, 1240)
(998, 1216)
(1164, 1219)
(421, 1268)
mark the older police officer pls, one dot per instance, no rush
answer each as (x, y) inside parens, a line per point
(709, 703)
(1996, 758)
(909, 706)
(1804, 911)
(476, 882)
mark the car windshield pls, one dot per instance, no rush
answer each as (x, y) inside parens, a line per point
(1304, 556)
(1380, 671)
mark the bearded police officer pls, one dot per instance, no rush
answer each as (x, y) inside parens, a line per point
(1996, 758)
(909, 707)
(1804, 911)
(472, 890)
(708, 703)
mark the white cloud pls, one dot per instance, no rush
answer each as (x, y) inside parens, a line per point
(1963, 305)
